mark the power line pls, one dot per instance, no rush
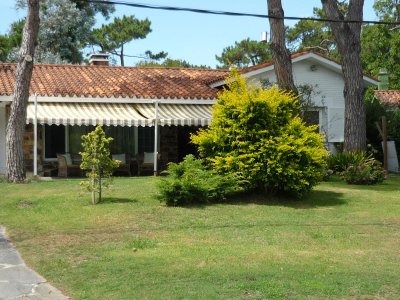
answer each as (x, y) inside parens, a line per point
(234, 14)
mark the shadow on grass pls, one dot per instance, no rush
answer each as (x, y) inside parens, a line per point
(312, 200)
(112, 200)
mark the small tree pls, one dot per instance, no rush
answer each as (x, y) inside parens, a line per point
(257, 135)
(97, 161)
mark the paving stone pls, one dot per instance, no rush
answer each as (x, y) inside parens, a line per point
(17, 281)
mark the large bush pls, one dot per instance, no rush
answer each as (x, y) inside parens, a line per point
(189, 182)
(257, 135)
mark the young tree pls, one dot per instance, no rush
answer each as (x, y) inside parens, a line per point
(16, 122)
(280, 54)
(112, 37)
(257, 135)
(347, 36)
(244, 54)
(97, 161)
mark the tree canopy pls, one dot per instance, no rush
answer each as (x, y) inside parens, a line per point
(244, 54)
(113, 36)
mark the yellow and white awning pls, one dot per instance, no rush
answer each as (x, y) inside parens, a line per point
(178, 114)
(116, 114)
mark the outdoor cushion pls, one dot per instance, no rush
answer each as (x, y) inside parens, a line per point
(120, 157)
(68, 158)
(148, 158)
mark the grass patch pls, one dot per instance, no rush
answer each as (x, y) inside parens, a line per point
(341, 241)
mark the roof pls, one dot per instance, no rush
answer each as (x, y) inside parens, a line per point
(110, 81)
(299, 56)
(388, 97)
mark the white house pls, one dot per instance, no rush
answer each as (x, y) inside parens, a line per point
(130, 101)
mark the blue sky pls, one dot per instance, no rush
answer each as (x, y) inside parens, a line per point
(196, 38)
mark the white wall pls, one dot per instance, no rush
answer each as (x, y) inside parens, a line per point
(328, 85)
(2, 140)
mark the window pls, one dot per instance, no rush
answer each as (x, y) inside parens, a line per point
(75, 137)
(311, 117)
(146, 139)
(123, 139)
(54, 140)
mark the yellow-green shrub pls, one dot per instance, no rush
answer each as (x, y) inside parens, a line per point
(257, 135)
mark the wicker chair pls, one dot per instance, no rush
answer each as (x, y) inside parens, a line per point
(124, 166)
(145, 161)
(67, 167)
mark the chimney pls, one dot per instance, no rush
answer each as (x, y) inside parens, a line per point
(383, 78)
(98, 59)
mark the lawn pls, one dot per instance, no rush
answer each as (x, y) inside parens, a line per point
(342, 241)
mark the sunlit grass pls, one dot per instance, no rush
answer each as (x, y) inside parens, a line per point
(341, 241)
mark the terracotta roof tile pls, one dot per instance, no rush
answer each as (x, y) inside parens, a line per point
(388, 97)
(107, 81)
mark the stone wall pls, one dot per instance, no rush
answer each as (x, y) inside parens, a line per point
(28, 148)
(169, 143)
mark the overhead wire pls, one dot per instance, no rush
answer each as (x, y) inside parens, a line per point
(236, 14)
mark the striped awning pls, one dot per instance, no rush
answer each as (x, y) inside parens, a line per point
(87, 114)
(178, 114)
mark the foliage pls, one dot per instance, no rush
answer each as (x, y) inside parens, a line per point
(308, 34)
(65, 27)
(12, 40)
(113, 36)
(189, 182)
(244, 53)
(97, 162)
(365, 173)
(341, 161)
(257, 135)
(170, 63)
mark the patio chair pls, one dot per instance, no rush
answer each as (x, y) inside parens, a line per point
(66, 167)
(145, 161)
(124, 166)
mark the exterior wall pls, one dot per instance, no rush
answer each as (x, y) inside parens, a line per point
(169, 143)
(328, 86)
(28, 148)
(2, 140)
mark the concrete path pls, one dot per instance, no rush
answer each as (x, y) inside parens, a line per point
(17, 281)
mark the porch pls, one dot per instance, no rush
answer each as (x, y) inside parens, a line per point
(161, 130)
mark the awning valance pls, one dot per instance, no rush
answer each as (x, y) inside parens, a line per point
(119, 114)
(178, 114)
(87, 114)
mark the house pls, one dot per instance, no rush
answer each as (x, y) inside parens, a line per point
(129, 101)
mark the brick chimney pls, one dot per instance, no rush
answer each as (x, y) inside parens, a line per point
(98, 59)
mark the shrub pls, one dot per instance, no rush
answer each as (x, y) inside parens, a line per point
(189, 182)
(366, 173)
(341, 161)
(257, 135)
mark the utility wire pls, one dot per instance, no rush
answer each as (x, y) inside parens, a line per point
(234, 14)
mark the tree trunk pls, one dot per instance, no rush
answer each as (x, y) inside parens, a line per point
(280, 54)
(122, 55)
(16, 122)
(347, 36)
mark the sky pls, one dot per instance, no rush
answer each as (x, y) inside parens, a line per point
(196, 38)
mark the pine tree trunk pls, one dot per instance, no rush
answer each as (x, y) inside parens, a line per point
(280, 54)
(16, 122)
(347, 36)
(122, 55)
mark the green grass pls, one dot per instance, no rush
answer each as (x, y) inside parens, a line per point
(342, 241)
